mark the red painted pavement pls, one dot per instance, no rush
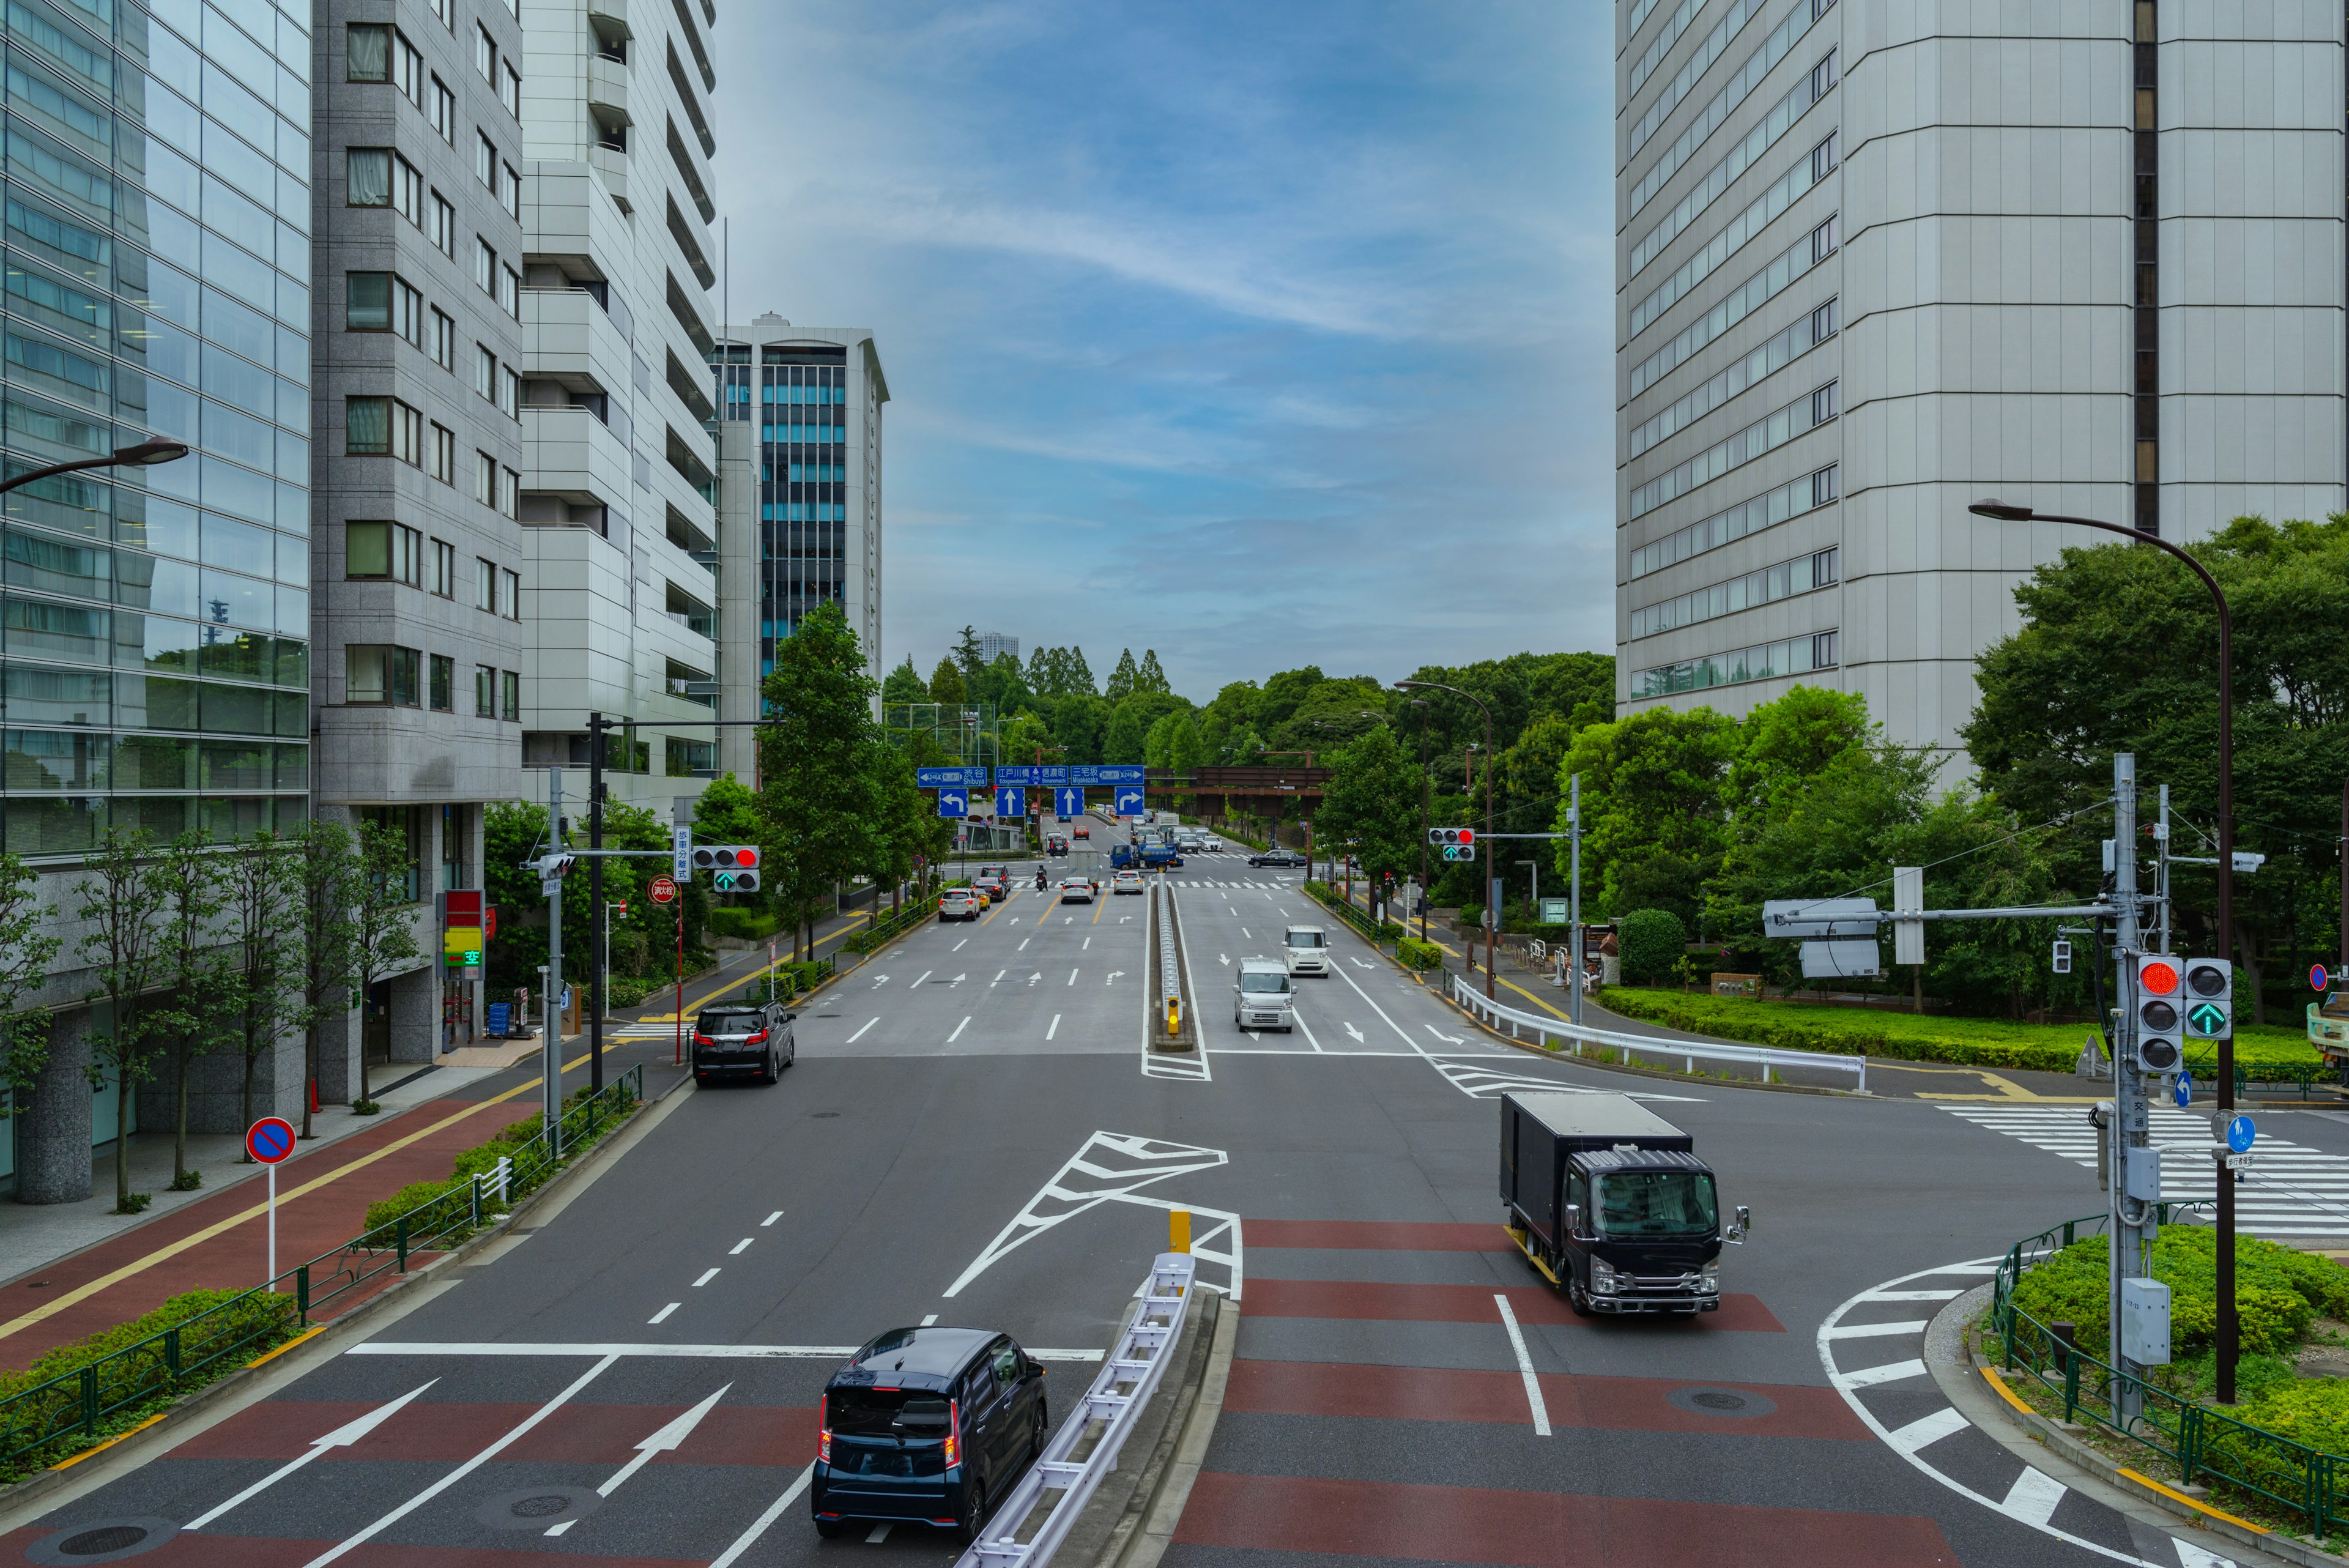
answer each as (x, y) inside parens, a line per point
(1379, 1235)
(307, 1227)
(1460, 1303)
(281, 1430)
(1542, 1530)
(1619, 1404)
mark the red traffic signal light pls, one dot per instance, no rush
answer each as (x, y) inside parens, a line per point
(2158, 977)
(746, 855)
(1467, 835)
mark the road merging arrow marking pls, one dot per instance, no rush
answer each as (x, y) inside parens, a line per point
(1113, 976)
(342, 1436)
(669, 1440)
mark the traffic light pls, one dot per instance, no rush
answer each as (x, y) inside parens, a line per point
(1457, 843)
(734, 867)
(2208, 998)
(2157, 992)
(551, 869)
(2062, 955)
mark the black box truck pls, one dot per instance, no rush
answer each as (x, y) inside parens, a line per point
(1610, 1202)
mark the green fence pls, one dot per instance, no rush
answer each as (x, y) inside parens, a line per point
(1375, 932)
(71, 1412)
(889, 927)
(2205, 1446)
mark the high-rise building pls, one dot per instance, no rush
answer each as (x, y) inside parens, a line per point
(1877, 261)
(619, 470)
(993, 644)
(418, 557)
(799, 438)
(157, 667)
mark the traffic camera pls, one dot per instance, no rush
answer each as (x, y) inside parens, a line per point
(2209, 999)
(734, 867)
(2156, 991)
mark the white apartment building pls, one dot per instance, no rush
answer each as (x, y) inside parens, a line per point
(1877, 261)
(993, 645)
(799, 444)
(618, 481)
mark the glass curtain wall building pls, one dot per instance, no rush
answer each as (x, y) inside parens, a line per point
(154, 634)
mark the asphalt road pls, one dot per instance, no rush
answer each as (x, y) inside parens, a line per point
(974, 1132)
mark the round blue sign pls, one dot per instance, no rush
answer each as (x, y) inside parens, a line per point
(2317, 978)
(2240, 1134)
(2184, 1092)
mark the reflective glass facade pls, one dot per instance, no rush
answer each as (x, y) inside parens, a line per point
(800, 398)
(154, 627)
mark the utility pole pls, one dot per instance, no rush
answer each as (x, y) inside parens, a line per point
(2131, 1128)
(598, 939)
(1573, 892)
(549, 1054)
(2161, 868)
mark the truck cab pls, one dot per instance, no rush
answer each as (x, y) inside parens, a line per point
(1612, 1205)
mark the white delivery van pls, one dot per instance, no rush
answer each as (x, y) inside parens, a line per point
(1307, 949)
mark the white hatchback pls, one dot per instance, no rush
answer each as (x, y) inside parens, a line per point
(1076, 891)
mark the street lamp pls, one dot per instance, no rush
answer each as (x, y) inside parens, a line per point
(2229, 1334)
(1492, 926)
(145, 454)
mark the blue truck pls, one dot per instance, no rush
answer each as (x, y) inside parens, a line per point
(1146, 857)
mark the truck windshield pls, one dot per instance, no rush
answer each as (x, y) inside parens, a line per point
(1264, 983)
(1305, 938)
(1657, 1203)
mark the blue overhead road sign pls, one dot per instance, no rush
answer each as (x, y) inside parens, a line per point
(939, 778)
(955, 802)
(1068, 800)
(1015, 773)
(1129, 800)
(1010, 802)
(1130, 772)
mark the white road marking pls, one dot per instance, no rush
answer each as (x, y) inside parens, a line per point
(686, 1351)
(1072, 977)
(1912, 1295)
(1525, 1365)
(1037, 976)
(1107, 1167)
(669, 1439)
(1055, 1029)
(1088, 941)
(957, 981)
(1354, 1032)
(1221, 959)
(1023, 944)
(880, 981)
(779, 1213)
(758, 1526)
(958, 946)
(1244, 931)
(860, 1032)
(925, 974)
(476, 1462)
(1871, 1329)
(880, 1533)
(707, 1276)
(662, 1315)
(1298, 1019)
(741, 1246)
(930, 1320)
(998, 977)
(1232, 912)
(1927, 1430)
(1113, 977)
(1364, 963)
(958, 1029)
(1890, 1372)
(342, 1436)
(2033, 1497)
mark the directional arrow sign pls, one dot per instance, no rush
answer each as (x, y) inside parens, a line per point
(1221, 959)
(342, 1436)
(2206, 1019)
(667, 1440)
(1129, 800)
(1067, 801)
(2240, 1134)
(954, 803)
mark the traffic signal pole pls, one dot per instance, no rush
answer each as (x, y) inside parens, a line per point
(550, 1053)
(2132, 1119)
(602, 934)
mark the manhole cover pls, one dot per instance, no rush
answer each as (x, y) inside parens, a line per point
(101, 1541)
(1742, 1404)
(537, 1508)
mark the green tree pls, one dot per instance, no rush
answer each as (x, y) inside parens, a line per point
(27, 946)
(1122, 679)
(1150, 677)
(382, 917)
(259, 904)
(965, 656)
(816, 762)
(1076, 677)
(1651, 805)
(1652, 942)
(2117, 653)
(1371, 800)
(1127, 738)
(1281, 695)
(946, 683)
(324, 871)
(1782, 745)
(1027, 738)
(197, 1015)
(904, 684)
(125, 948)
(1081, 727)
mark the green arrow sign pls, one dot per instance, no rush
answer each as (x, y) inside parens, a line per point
(2206, 1019)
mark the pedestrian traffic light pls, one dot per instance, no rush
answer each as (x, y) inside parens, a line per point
(2209, 999)
(2156, 992)
(733, 867)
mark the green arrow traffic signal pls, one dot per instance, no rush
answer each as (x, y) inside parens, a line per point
(2206, 1019)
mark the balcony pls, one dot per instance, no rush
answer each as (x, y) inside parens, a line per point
(609, 21)
(568, 453)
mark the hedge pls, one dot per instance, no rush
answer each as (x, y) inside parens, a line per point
(744, 925)
(481, 1159)
(1419, 955)
(1907, 1037)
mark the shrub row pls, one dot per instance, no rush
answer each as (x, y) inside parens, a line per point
(744, 925)
(482, 1158)
(1423, 956)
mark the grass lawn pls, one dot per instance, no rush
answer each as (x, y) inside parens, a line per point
(1905, 1036)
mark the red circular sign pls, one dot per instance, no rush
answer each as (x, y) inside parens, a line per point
(664, 888)
(270, 1139)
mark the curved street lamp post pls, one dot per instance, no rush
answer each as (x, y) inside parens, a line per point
(2229, 1334)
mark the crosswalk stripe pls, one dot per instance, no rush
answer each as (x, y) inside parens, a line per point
(2033, 1497)
(2292, 1190)
(1927, 1430)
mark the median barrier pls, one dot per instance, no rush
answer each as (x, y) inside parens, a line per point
(1519, 1025)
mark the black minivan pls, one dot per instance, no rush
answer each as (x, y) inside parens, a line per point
(927, 1424)
(744, 1042)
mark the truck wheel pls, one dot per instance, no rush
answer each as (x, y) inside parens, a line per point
(1577, 1300)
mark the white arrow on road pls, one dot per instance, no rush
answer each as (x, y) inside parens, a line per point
(342, 1436)
(1447, 1039)
(1364, 963)
(1354, 1032)
(1114, 974)
(880, 981)
(955, 981)
(667, 1440)
(1037, 976)
(1221, 959)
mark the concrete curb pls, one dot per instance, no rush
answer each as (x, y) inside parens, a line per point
(2045, 1444)
(168, 1427)
(1143, 1529)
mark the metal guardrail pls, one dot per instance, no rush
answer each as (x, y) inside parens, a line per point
(1061, 1481)
(1691, 1052)
(1170, 969)
(2204, 1444)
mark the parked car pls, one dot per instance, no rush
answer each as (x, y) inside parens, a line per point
(1126, 882)
(931, 1426)
(1277, 856)
(1262, 997)
(1077, 889)
(740, 1041)
(959, 904)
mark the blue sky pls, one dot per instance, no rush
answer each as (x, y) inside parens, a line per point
(1257, 334)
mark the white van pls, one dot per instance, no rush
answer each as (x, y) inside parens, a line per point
(1307, 949)
(1261, 996)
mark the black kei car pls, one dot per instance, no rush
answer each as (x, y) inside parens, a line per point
(743, 1040)
(929, 1425)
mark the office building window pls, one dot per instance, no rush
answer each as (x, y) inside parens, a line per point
(377, 53)
(444, 684)
(444, 339)
(510, 495)
(447, 11)
(382, 427)
(383, 550)
(444, 454)
(485, 584)
(512, 681)
(510, 291)
(512, 194)
(485, 480)
(444, 112)
(444, 568)
(382, 302)
(444, 226)
(485, 161)
(513, 91)
(485, 691)
(510, 392)
(485, 266)
(485, 371)
(380, 674)
(486, 55)
(510, 595)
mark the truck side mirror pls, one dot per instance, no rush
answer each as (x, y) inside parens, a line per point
(1574, 1219)
(1739, 1226)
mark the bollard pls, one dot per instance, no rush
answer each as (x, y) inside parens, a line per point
(1178, 1229)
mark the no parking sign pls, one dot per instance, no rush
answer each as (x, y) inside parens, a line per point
(270, 1140)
